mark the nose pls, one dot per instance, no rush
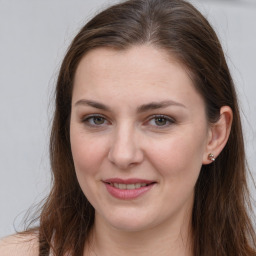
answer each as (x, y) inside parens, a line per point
(125, 150)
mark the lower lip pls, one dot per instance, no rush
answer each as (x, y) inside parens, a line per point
(127, 194)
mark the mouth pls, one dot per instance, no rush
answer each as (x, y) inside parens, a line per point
(128, 189)
(129, 186)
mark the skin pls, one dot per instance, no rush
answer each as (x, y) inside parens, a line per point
(18, 245)
(124, 143)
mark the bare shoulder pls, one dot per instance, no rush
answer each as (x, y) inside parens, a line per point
(19, 245)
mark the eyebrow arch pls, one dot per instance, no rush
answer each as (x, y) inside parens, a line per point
(158, 105)
(93, 104)
(140, 109)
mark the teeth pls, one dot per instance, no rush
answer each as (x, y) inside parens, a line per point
(122, 186)
(128, 186)
(137, 185)
(116, 185)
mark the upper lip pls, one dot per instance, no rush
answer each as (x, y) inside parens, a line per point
(128, 181)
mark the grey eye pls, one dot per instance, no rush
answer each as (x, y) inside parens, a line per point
(160, 121)
(95, 120)
(98, 120)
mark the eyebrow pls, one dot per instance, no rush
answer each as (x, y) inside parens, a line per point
(158, 105)
(140, 109)
(93, 104)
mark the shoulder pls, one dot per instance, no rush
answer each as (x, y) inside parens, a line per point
(20, 245)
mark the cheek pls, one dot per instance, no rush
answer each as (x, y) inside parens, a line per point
(178, 157)
(87, 152)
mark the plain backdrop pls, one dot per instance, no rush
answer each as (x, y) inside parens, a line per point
(34, 36)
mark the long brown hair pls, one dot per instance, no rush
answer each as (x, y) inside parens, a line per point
(220, 222)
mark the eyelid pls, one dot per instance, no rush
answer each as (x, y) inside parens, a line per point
(85, 119)
(168, 118)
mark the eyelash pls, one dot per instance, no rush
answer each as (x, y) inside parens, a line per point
(87, 119)
(168, 119)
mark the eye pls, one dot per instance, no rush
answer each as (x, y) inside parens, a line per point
(161, 121)
(95, 120)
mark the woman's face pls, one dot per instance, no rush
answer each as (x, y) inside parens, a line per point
(138, 136)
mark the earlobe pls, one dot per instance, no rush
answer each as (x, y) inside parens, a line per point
(218, 135)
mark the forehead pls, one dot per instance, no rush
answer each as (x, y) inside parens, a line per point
(137, 60)
(139, 73)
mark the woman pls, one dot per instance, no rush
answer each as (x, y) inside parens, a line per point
(146, 147)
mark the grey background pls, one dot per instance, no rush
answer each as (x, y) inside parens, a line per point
(34, 35)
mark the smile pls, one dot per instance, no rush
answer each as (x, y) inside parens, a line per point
(128, 186)
(128, 189)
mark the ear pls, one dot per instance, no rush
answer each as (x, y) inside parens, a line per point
(218, 134)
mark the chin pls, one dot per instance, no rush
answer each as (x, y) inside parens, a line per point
(129, 222)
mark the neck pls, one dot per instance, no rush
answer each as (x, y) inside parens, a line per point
(174, 237)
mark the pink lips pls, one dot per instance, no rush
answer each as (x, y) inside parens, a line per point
(128, 189)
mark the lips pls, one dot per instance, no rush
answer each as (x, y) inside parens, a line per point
(128, 189)
(128, 186)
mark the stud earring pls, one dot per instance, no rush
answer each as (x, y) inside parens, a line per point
(211, 157)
